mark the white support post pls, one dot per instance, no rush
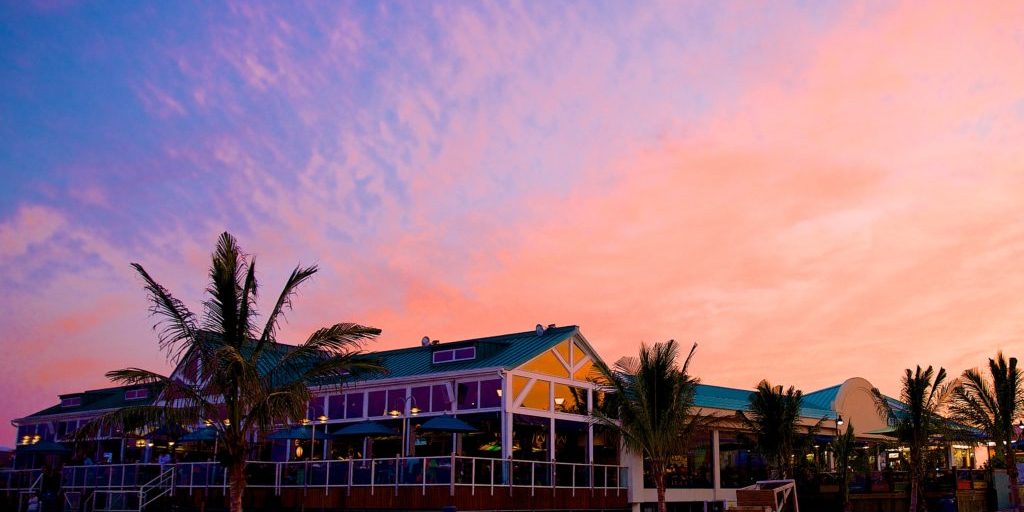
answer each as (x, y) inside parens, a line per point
(716, 464)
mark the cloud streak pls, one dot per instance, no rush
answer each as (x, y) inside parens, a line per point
(811, 194)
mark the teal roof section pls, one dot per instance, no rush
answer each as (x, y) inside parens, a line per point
(506, 351)
(823, 398)
(733, 399)
(98, 400)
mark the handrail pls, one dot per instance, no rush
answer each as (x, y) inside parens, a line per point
(394, 472)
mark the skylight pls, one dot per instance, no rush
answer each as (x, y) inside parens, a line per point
(454, 354)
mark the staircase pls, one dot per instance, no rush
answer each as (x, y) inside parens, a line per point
(131, 500)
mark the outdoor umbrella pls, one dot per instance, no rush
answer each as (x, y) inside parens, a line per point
(202, 434)
(446, 423)
(166, 432)
(301, 433)
(365, 428)
(45, 447)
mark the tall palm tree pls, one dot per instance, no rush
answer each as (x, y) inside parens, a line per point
(915, 420)
(992, 406)
(653, 407)
(774, 418)
(237, 377)
(843, 446)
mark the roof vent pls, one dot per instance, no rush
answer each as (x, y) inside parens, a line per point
(551, 326)
(425, 341)
(540, 330)
(435, 342)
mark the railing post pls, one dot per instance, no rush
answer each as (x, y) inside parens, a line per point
(398, 471)
(327, 476)
(424, 477)
(373, 474)
(573, 466)
(351, 469)
(451, 485)
(533, 475)
(472, 477)
(492, 477)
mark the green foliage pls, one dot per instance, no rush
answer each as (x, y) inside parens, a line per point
(774, 418)
(236, 376)
(650, 404)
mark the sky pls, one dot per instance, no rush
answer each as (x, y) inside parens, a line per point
(811, 191)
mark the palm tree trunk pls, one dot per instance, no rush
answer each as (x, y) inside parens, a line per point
(659, 482)
(1012, 474)
(913, 491)
(236, 474)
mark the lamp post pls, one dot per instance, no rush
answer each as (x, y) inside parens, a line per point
(395, 413)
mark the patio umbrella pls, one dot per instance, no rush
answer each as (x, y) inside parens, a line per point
(301, 433)
(45, 447)
(166, 432)
(446, 423)
(365, 428)
(202, 434)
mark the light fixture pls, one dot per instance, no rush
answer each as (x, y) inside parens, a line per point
(394, 413)
(991, 443)
(414, 410)
(170, 443)
(208, 422)
(1021, 425)
(839, 420)
(559, 400)
(140, 443)
(305, 421)
(498, 391)
(36, 438)
(322, 418)
(298, 451)
(150, 444)
(227, 422)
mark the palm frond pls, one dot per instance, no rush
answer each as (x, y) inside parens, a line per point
(176, 330)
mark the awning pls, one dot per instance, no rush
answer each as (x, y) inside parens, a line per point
(446, 423)
(301, 433)
(365, 428)
(203, 434)
(887, 431)
(44, 447)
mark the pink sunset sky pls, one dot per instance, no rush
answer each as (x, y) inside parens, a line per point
(812, 191)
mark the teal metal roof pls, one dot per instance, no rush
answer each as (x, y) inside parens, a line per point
(506, 351)
(718, 397)
(97, 400)
(823, 398)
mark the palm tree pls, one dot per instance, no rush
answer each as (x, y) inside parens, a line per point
(653, 406)
(774, 418)
(992, 406)
(237, 377)
(915, 420)
(843, 446)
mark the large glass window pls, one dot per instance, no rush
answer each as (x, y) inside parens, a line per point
(606, 445)
(571, 441)
(439, 399)
(739, 462)
(570, 399)
(690, 471)
(547, 364)
(353, 405)
(468, 395)
(584, 372)
(396, 400)
(336, 407)
(539, 396)
(376, 403)
(421, 397)
(316, 407)
(489, 393)
(530, 437)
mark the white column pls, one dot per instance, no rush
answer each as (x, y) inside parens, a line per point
(716, 464)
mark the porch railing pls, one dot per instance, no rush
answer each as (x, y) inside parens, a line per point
(450, 471)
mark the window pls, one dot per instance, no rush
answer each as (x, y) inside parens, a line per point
(468, 394)
(421, 397)
(377, 403)
(336, 407)
(71, 402)
(439, 399)
(454, 354)
(539, 396)
(548, 364)
(136, 394)
(316, 408)
(354, 405)
(570, 399)
(490, 395)
(396, 401)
